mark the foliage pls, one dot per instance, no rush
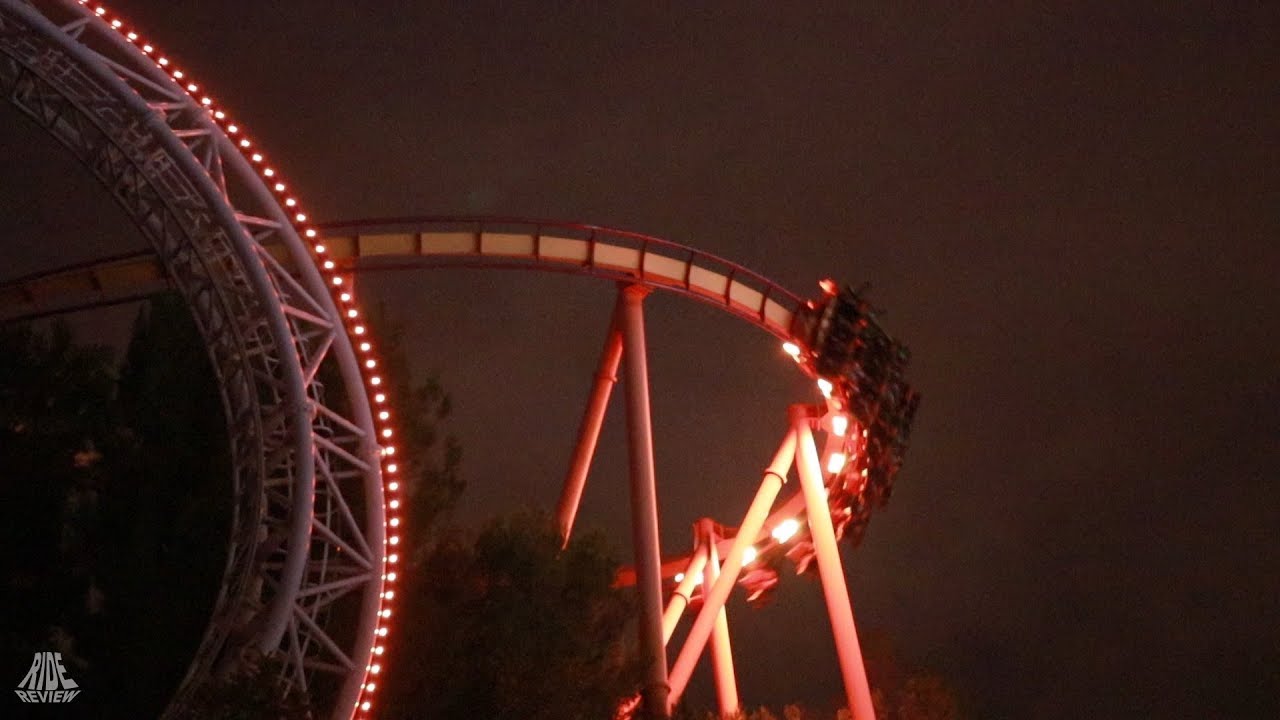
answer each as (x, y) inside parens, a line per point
(165, 507)
(511, 626)
(927, 697)
(921, 696)
(115, 505)
(431, 460)
(54, 417)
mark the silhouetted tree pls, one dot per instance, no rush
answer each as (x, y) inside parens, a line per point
(54, 417)
(510, 626)
(164, 511)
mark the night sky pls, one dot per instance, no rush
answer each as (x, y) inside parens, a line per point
(1071, 215)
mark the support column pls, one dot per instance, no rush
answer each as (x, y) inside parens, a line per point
(721, 648)
(589, 430)
(680, 598)
(830, 569)
(644, 503)
(774, 476)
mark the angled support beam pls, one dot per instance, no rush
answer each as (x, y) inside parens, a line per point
(774, 476)
(721, 649)
(644, 502)
(834, 588)
(589, 431)
(683, 593)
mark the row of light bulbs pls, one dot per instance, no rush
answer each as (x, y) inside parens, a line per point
(345, 300)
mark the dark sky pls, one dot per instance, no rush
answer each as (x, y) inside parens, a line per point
(1071, 214)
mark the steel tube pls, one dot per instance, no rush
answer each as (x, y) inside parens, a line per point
(644, 503)
(680, 597)
(834, 589)
(589, 431)
(721, 648)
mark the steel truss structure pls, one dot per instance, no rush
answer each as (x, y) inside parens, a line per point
(307, 538)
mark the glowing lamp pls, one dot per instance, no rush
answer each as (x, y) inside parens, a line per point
(785, 530)
(839, 425)
(835, 463)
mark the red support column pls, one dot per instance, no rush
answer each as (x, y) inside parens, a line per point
(834, 589)
(589, 431)
(644, 504)
(684, 589)
(721, 648)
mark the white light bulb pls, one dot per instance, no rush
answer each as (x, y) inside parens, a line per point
(839, 425)
(835, 463)
(785, 530)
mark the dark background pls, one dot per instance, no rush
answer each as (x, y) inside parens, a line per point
(1069, 212)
